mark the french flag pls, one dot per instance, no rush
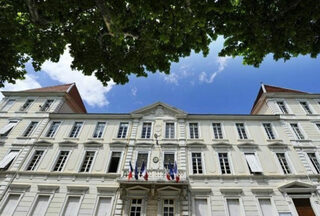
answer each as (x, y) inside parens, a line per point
(168, 172)
(144, 172)
(171, 172)
(130, 171)
(136, 176)
(175, 170)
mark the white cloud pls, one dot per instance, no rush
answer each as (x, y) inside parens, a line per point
(29, 82)
(134, 91)
(222, 63)
(171, 78)
(90, 88)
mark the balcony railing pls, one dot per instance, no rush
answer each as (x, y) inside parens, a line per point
(154, 175)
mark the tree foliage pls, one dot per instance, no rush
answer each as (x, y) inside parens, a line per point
(114, 38)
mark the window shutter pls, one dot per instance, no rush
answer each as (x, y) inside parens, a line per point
(233, 207)
(201, 207)
(72, 206)
(104, 206)
(41, 205)
(8, 127)
(253, 163)
(7, 159)
(266, 208)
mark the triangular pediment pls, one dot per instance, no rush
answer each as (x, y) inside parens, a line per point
(159, 109)
(298, 187)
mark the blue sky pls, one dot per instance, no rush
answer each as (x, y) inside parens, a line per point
(197, 84)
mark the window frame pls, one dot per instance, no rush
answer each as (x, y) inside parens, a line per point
(48, 109)
(28, 107)
(8, 132)
(56, 160)
(229, 161)
(258, 160)
(83, 158)
(199, 130)
(31, 158)
(32, 131)
(126, 135)
(202, 162)
(151, 130)
(95, 209)
(142, 152)
(13, 161)
(273, 130)
(109, 160)
(63, 209)
(103, 131)
(80, 130)
(222, 130)
(245, 130)
(142, 205)
(273, 206)
(241, 207)
(201, 197)
(5, 199)
(285, 105)
(174, 127)
(169, 152)
(6, 103)
(313, 168)
(300, 129)
(174, 205)
(292, 170)
(48, 129)
(31, 209)
(308, 107)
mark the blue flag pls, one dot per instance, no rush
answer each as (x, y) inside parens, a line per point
(136, 171)
(171, 172)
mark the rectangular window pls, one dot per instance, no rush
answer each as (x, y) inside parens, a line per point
(169, 130)
(72, 206)
(136, 207)
(87, 161)
(8, 105)
(35, 160)
(114, 162)
(201, 207)
(53, 129)
(297, 131)
(168, 159)
(241, 131)
(306, 107)
(142, 157)
(196, 163)
(282, 107)
(146, 130)
(26, 105)
(269, 131)
(8, 159)
(99, 130)
(194, 131)
(7, 129)
(41, 205)
(123, 128)
(318, 125)
(253, 163)
(76, 129)
(168, 207)
(233, 207)
(314, 161)
(283, 162)
(266, 207)
(224, 163)
(46, 105)
(63, 156)
(10, 204)
(217, 131)
(103, 206)
(30, 129)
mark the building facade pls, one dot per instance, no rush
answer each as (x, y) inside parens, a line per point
(57, 159)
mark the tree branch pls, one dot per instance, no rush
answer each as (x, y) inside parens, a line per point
(34, 13)
(105, 15)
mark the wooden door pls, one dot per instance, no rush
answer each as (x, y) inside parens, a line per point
(303, 207)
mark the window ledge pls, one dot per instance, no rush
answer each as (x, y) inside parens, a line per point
(286, 114)
(245, 140)
(3, 111)
(195, 140)
(71, 138)
(221, 140)
(22, 137)
(21, 112)
(47, 138)
(169, 139)
(145, 139)
(313, 114)
(274, 140)
(92, 138)
(301, 140)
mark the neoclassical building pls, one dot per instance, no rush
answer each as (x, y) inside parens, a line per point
(57, 159)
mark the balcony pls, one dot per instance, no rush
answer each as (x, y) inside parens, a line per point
(155, 176)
